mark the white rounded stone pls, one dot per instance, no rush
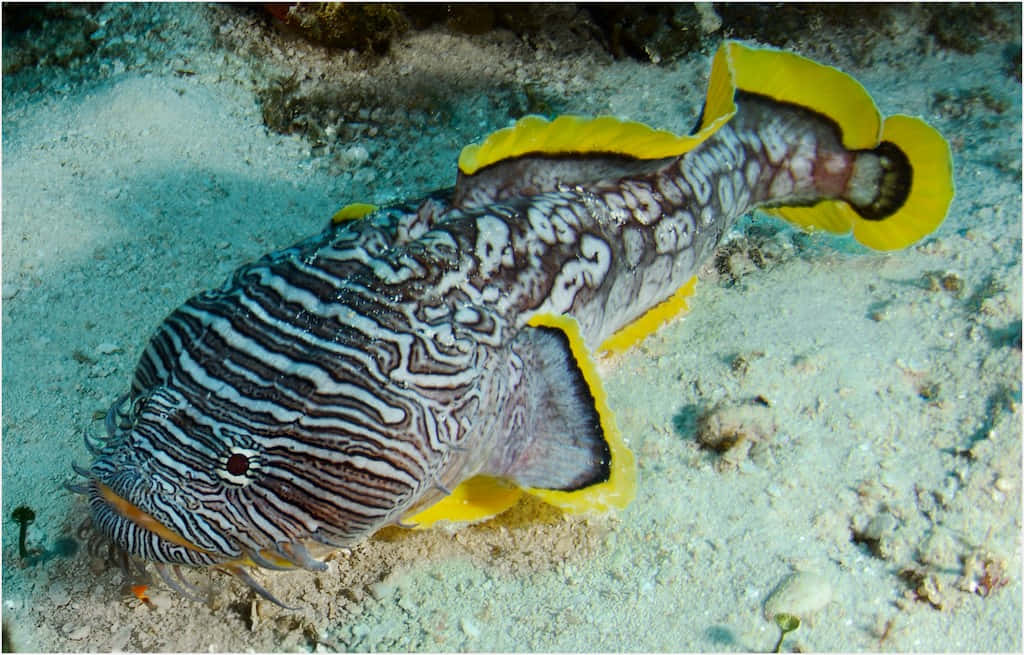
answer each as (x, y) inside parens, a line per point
(801, 594)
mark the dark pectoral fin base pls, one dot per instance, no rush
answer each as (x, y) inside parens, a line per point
(601, 485)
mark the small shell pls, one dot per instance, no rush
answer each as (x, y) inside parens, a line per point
(801, 594)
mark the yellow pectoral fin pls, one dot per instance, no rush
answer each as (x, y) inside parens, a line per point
(475, 499)
(619, 488)
(606, 483)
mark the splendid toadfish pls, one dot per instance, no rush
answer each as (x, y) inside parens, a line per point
(433, 360)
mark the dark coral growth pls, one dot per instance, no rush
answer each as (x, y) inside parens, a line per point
(357, 26)
(777, 23)
(30, 40)
(658, 33)
(467, 18)
(661, 33)
(964, 27)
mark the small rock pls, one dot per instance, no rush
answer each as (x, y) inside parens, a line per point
(924, 586)
(120, 639)
(355, 157)
(731, 430)
(878, 534)
(78, 633)
(108, 348)
(360, 631)
(160, 600)
(801, 594)
(470, 628)
(407, 604)
(952, 282)
(102, 370)
(880, 526)
(940, 549)
(380, 590)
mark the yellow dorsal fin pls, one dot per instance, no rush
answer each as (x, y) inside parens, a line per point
(631, 334)
(569, 135)
(574, 135)
(788, 77)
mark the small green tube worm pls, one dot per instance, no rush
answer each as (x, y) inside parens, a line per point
(787, 623)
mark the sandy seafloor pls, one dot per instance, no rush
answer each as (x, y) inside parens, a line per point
(142, 172)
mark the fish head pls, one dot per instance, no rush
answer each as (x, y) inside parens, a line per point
(172, 485)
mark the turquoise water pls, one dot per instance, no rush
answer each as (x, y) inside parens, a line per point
(137, 170)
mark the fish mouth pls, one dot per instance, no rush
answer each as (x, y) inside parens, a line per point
(138, 535)
(118, 517)
(128, 511)
(285, 557)
(131, 512)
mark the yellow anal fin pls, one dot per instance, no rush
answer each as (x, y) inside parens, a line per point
(353, 211)
(619, 488)
(649, 322)
(475, 499)
(267, 556)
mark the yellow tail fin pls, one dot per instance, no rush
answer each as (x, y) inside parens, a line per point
(914, 211)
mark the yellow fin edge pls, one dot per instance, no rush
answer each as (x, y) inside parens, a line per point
(648, 323)
(931, 192)
(353, 211)
(931, 187)
(571, 134)
(788, 77)
(478, 498)
(481, 497)
(620, 487)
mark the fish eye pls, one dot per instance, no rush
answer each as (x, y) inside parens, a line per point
(237, 464)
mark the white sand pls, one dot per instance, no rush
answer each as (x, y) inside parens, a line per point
(122, 198)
